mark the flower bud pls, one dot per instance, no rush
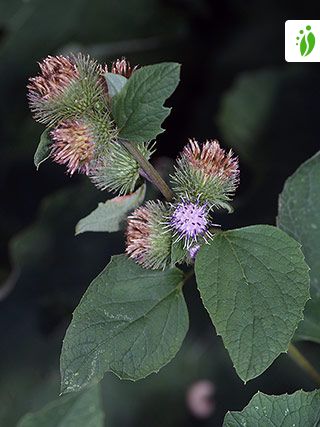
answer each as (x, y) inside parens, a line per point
(147, 241)
(193, 251)
(66, 87)
(73, 145)
(120, 66)
(79, 143)
(206, 173)
(117, 171)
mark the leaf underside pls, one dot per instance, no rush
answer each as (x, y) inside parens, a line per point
(110, 216)
(115, 83)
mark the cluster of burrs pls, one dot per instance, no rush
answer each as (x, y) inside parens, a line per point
(204, 180)
(70, 96)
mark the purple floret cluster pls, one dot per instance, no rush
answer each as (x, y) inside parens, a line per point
(189, 221)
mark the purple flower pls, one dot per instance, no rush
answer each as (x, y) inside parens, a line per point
(190, 221)
(193, 251)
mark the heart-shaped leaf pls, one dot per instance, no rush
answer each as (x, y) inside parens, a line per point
(131, 321)
(254, 283)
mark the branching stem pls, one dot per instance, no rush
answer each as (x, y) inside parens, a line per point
(148, 170)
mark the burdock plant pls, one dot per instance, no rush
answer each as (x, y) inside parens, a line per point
(132, 320)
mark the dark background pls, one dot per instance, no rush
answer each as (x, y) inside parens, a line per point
(235, 86)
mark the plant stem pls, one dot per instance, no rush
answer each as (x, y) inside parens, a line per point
(149, 171)
(299, 358)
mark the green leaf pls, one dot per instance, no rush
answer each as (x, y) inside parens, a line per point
(254, 283)
(115, 83)
(299, 207)
(138, 109)
(110, 215)
(43, 150)
(79, 410)
(131, 321)
(300, 409)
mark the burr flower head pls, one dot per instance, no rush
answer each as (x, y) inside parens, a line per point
(66, 87)
(207, 172)
(122, 67)
(117, 170)
(73, 145)
(57, 72)
(147, 242)
(190, 221)
(211, 159)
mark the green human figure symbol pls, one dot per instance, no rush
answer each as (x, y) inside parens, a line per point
(307, 41)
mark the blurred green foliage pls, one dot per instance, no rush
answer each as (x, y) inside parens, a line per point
(235, 86)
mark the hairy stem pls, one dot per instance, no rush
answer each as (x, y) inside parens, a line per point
(299, 358)
(148, 170)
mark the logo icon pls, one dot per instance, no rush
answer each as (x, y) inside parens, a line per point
(302, 40)
(306, 40)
